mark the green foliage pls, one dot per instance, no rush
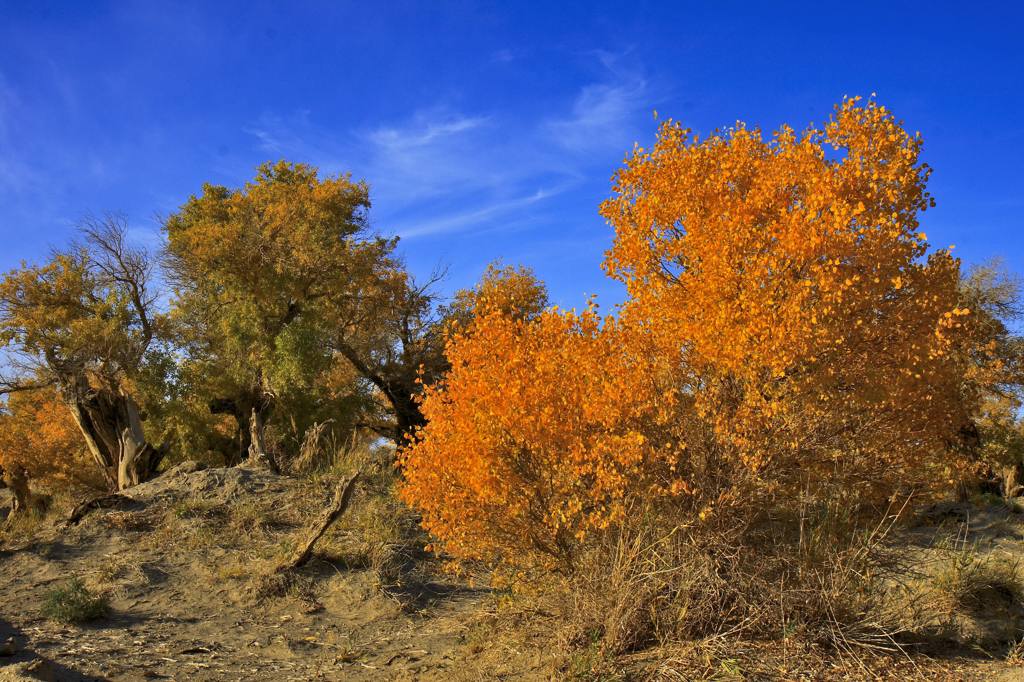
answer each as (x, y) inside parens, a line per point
(997, 374)
(261, 273)
(74, 603)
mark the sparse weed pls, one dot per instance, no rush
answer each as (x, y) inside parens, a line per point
(115, 575)
(22, 524)
(128, 521)
(197, 508)
(968, 580)
(247, 516)
(277, 585)
(74, 603)
(590, 664)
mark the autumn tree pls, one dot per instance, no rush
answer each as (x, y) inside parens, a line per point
(396, 337)
(258, 274)
(394, 340)
(816, 332)
(514, 291)
(787, 334)
(85, 322)
(40, 442)
(538, 435)
(994, 380)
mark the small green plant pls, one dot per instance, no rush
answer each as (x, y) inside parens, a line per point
(971, 581)
(729, 669)
(589, 664)
(74, 603)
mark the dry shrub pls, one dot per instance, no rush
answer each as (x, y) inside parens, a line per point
(962, 595)
(650, 583)
(284, 584)
(640, 587)
(317, 451)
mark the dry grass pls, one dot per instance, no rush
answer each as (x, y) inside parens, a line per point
(266, 586)
(967, 580)
(962, 596)
(127, 521)
(817, 581)
(115, 575)
(378, 533)
(21, 525)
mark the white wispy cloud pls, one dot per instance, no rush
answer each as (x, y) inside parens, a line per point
(441, 170)
(458, 221)
(602, 110)
(426, 132)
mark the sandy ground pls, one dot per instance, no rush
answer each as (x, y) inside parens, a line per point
(182, 559)
(182, 606)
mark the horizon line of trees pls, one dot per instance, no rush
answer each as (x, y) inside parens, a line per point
(269, 309)
(785, 317)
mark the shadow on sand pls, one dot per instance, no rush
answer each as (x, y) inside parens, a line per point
(18, 662)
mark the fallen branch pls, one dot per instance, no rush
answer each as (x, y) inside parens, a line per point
(329, 516)
(112, 501)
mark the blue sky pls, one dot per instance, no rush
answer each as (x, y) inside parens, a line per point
(486, 130)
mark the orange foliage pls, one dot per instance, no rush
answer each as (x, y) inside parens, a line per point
(792, 277)
(530, 443)
(786, 334)
(38, 436)
(513, 291)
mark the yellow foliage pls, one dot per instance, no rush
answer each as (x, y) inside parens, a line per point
(792, 279)
(512, 291)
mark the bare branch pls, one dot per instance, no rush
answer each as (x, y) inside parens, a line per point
(14, 385)
(125, 266)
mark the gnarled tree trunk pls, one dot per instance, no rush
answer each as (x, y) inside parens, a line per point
(250, 412)
(258, 456)
(16, 479)
(112, 428)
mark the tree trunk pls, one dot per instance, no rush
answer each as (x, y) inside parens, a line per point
(17, 480)
(248, 411)
(112, 428)
(408, 416)
(257, 450)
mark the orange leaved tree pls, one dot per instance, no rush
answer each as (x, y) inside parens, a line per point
(511, 290)
(787, 335)
(39, 441)
(537, 434)
(816, 333)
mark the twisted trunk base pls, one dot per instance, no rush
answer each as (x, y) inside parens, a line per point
(112, 427)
